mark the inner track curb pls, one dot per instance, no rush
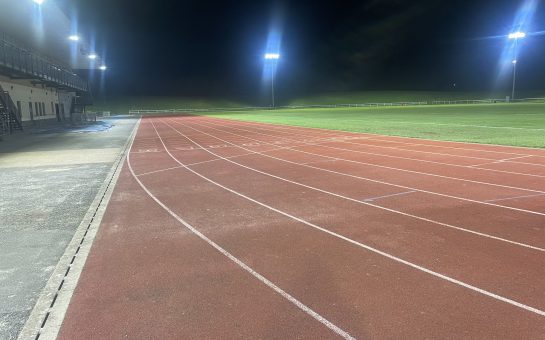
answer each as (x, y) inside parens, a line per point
(48, 314)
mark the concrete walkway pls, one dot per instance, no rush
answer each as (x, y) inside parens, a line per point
(48, 179)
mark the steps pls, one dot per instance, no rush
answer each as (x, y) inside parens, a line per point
(10, 117)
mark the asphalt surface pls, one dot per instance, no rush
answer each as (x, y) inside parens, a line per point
(48, 179)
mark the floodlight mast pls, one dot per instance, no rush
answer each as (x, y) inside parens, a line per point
(273, 57)
(515, 36)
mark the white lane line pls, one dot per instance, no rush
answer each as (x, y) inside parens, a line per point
(514, 198)
(410, 171)
(224, 252)
(369, 248)
(372, 199)
(299, 128)
(417, 151)
(317, 162)
(366, 203)
(158, 171)
(445, 154)
(291, 128)
(405, 158)
(373, 180)
(513, 158)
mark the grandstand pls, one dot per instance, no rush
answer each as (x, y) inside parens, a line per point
(40, 67)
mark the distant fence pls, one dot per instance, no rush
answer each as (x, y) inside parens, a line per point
(331, 106)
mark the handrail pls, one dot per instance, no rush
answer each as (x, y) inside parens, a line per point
(25, 62)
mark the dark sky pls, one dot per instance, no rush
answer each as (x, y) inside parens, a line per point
(215, 47)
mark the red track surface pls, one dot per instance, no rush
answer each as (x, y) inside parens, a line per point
(226, 229)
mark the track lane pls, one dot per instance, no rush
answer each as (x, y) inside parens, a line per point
(483, 147)
(348, 156)
(290, 200)
(149, 277)
(371, 142)
(440, 210)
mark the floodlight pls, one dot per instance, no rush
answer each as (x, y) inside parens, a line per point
(103, 68)
(39, 2)
(73, 37)
(514, 61)
(517, 35)
(92, 56)
(272, 56)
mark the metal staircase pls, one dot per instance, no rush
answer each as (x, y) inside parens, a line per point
(10, 117)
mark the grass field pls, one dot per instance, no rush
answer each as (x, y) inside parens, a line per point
(506, 124)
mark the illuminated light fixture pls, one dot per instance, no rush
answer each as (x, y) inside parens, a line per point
(272, 56)
(517, 35)
(514, 61)
(92, 56)
(39, 2)
(73, 38)
(103, 68)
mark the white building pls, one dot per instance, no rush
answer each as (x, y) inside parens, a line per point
(39, 52)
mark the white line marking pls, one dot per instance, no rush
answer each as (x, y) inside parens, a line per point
(317, 162)
(325, 140)
(369, 248)
(417, 151)
(513, 158)
(373, 180)
(367, 203)
(410, 171)
(514, 198)
(299, 127)
(157, 171)
(224, 252)
(388, 196)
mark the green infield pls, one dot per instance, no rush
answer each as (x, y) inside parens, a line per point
(521, 124)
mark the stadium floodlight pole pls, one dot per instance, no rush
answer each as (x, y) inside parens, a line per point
(515, 36)
(273, 57)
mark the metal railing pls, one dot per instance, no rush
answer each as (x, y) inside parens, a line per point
(31, 65)
(468, 101)
(363, 105)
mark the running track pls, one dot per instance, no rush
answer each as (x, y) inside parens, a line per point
(227, 229)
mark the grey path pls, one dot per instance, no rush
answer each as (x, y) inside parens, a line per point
(47, 183)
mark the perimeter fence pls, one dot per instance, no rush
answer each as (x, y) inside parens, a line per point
(333, 106)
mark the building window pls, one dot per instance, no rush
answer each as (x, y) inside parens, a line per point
(52, 108)
(38, 113)
(30, 110)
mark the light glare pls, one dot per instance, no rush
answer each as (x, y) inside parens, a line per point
(272, 56)
(103, 68)
(73, 38)
(93, 56)
(517, 35)
(39, 2)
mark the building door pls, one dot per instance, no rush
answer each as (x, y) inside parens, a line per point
(19, 110)
(31, 112)
(57, 112)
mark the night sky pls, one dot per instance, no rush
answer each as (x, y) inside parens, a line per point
(215, 48)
